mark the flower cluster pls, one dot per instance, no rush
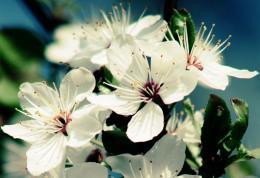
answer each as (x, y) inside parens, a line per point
(151, 71)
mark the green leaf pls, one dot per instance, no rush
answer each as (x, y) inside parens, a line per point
(108, 76)
(20, 52)
(20, 55)
(243, 154)
(177, 23)
(241, 110)
(188, 107)
(8, 92)
(240, 169)
(105, 76)
(216, 126)
(238, 128)
(116, 142)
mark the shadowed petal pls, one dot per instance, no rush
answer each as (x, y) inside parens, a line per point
(88, 170)
(146, 123)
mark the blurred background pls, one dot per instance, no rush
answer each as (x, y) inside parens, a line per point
(27, 26)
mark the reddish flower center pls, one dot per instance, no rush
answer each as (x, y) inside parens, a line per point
(193, 61)
(150, 90)
(63, 122)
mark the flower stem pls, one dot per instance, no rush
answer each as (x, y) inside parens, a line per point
(97, 143)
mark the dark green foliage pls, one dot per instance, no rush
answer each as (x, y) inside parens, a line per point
(116, 142)
(20, 53)
(177, 23)
(220, 137)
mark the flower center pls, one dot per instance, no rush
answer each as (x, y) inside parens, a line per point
(95, 155)
(62, 122)
(193, 61)
(150, 91)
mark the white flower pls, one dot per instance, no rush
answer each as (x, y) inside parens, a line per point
(96, 38)
(204, 59)
(165, 159)
(87, 170)
(189, 128)
(64, 46)
(142, 83)
(56, 122)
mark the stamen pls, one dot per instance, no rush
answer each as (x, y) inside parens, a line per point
(180, 38)
(131, 168)
(141, 173)
(120, 88)
(170, 32)
(25, 113)
(219, 45)
(227, 45)
(57, 91)
(34, 105)
(185, 37)
(209, 35)
(151, 167)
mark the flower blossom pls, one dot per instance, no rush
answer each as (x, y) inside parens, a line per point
(204, 59)
(165, 160)
(141, 85)
(189, 128)
(64, 46)
(116, 27)
(56, 121)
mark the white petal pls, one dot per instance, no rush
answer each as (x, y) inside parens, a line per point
(239, 73)
(61, 52)
(147, 47)
(26, 130)
(153, 33)
(188, 132)
(128, 165)
(119, 57)
(172, 92)
(116, 104)
(64, 46)
(100, 58)
(213, 78)
(130, 67)
(190, 80)
(167, 61)
(143, 24)
(151, 30)
(97, 38)
(39, 99)
(57, 172)
(46, 154)
(175, 89)
(85, 124)
(64, 32)
(75, 86)
(86, 62)
(137, 71)
(188, 176)
(79, 155)
(175, 150)
(88, 170)
(83, 59)
(146, 123)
